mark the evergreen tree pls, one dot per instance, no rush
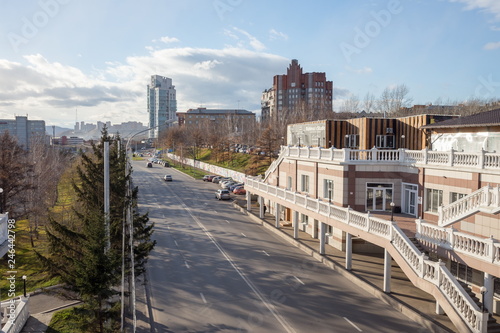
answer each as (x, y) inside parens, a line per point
(78, 247)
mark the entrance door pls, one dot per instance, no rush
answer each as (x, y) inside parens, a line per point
(410, 199)
(378, 197)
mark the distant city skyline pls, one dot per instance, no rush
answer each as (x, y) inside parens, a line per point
(59, 58)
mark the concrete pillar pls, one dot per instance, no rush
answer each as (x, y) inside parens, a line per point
(348, 251)
(439, 309)
(249, 201)
(322, 236)
(295, 224)
(277, 216)
(488, 296)
(387, 271)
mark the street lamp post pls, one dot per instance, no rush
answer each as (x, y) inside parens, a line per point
(24, 284)
(403, 141)
(1, 200)
(392, 204)
(483, 291)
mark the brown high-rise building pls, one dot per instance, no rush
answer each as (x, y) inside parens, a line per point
(296, 92)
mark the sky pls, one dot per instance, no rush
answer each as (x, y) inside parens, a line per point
(64, 61)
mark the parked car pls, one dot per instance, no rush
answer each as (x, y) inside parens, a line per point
(239, 190)
(208, 178)
(149, 165)
(216, 179)
(228, 184)
(168, 178)
(166, 164)
(232, 187)
(222, 195)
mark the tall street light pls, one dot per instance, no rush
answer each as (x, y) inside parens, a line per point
(128, 220)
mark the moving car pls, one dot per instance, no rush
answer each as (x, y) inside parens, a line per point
(222, 195)
(168, 178)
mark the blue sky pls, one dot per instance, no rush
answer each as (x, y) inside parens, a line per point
(67, 60)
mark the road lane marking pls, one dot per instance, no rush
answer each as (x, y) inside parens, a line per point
(176, 243)
(228, 221)
(296, 278)
(243, 234)
(249, 283)
(267, 254)
(203, 298)
(350, 322)
(186, 263)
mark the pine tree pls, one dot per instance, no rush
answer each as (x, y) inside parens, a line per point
(78, 247)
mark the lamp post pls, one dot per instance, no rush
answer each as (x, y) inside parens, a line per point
(392, 204)
(483, 292)
(1, 200)
(24, 284)
(403, 141)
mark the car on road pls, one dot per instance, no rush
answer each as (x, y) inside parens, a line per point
(222, 195)
(149, 165)
(168, 178)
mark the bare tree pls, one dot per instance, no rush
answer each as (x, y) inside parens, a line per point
(392, 100)
(369, 102)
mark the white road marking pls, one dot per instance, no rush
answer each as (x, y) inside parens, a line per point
(296, 278)
(176, 243)
(267, 254)
(203, 298)
(243, 234)
(186, 263)
(350, 322)
(228, 221)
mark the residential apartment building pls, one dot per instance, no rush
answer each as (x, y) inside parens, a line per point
(22, 129)
(162, 104)
(296, 90)
(347, 196)
(235, 119)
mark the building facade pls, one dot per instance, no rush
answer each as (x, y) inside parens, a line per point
(448, 200)
(23, 129)
(161, 104)
(295, 91)
(235, 119)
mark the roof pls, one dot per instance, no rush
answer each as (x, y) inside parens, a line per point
(488, 118)
(219, 111)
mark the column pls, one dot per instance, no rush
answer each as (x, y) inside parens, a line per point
(387, 271)
(322, 236)
(348, 251)
(315, 229)
(249, 201)
(295, 225)
(439, 309)
(277, 215)
(488, 296)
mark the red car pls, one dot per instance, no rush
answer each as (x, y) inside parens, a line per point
(239, 190)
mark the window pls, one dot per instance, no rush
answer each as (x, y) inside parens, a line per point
(434, 199)
(328, 189)
(289, 183)
(351, 141)
(304, 184)
(454, 196)
(384, 141)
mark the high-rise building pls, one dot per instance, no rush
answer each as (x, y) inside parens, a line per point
(23, 129)
(294, 91)
(162, 104)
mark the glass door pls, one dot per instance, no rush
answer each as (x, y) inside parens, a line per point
(410, 199)
(378, 197)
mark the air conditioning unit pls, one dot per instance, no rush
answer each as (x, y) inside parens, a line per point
(388, 130)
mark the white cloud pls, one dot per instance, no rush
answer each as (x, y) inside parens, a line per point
(252, 41)
(52, 91)
(490, 6)
(492, 46)
(365, 70)
(168, 40)
(273, 34)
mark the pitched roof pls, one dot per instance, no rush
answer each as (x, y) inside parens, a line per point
(488, 118)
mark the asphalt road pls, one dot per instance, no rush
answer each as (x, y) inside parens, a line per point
(213, 270)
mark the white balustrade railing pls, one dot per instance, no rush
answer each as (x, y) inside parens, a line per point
(479, 160)
(486, 196)
(486, 249)
(17, 317)
(433, 272)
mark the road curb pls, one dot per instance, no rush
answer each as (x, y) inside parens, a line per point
(411, 313)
